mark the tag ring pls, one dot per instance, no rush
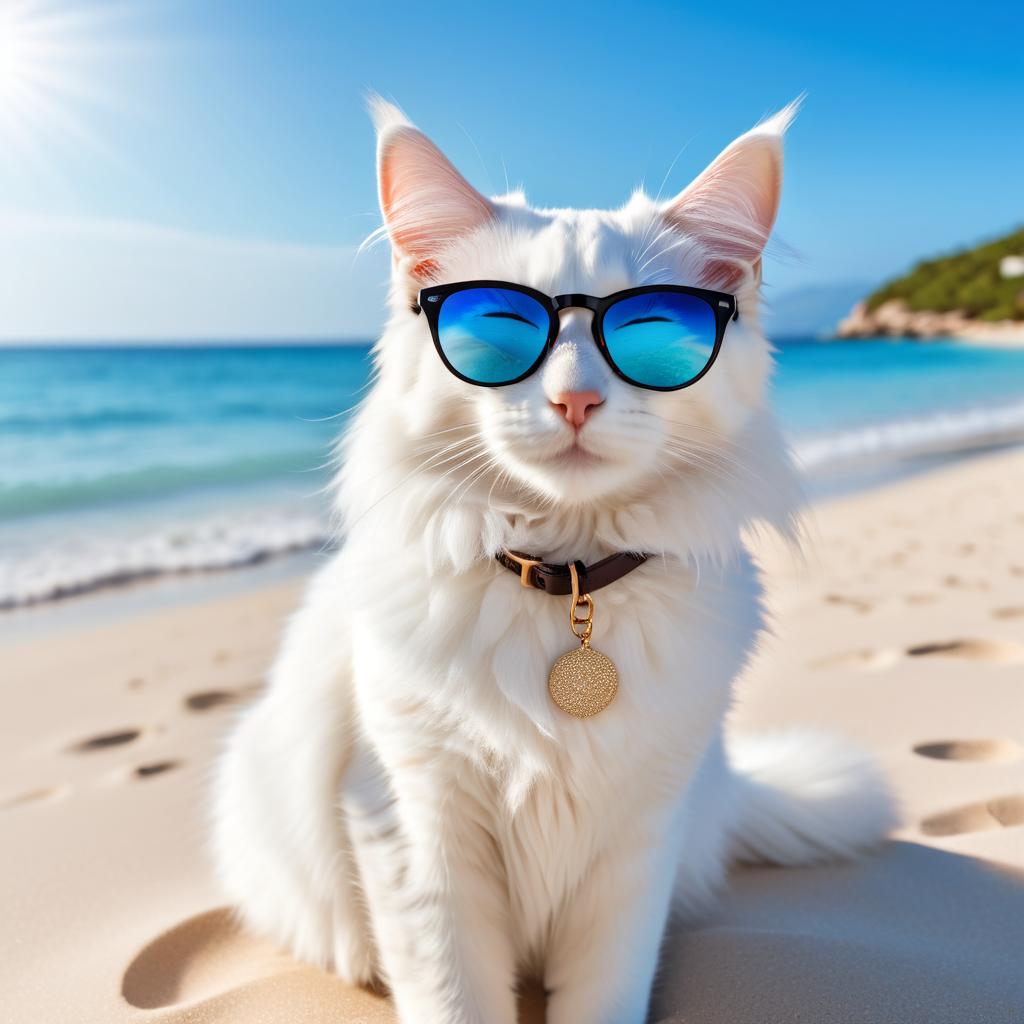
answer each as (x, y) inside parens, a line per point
(578, 599)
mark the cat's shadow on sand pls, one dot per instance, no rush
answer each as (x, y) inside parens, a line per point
(912, 934)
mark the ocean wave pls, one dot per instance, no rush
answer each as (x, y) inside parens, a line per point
(44, 421)
(61, 569)
(76, 568)
(938, 433)
(29, 499)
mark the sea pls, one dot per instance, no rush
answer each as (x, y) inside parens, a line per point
(124, 463)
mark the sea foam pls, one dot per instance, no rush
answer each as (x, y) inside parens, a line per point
(201, 544)
(897, 440)
(76, 567)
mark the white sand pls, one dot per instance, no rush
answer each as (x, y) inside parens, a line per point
(906, 631)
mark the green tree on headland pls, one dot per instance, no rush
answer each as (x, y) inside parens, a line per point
(968, 280)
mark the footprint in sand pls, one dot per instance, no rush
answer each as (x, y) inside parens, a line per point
(865, 658)
(200, 958)
(146, 771)
(971, 750)
(959, 583)
(105, 740)
(209, 699)
(1002, 812)
(973, 650)
(209, 969)
(33, 796)
(1008, 613)
(998, 651)
(856, 603)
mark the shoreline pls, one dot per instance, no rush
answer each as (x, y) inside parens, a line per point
(976, 337)
(901, 629)
(895, 320)
(141, 597)
(142, 590)
(95, 502)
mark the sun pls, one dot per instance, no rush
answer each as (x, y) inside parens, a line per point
(16, 50)
(50, 72)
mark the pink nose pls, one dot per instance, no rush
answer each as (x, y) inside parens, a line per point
(576, 406)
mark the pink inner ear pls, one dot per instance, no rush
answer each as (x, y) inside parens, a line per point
(426, 202)
(731, 207)
(722, 275)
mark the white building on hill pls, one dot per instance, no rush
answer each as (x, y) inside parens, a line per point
(1011, 266)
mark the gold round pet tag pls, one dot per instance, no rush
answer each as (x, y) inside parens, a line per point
(583, 682)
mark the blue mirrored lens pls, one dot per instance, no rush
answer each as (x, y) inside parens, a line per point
(660, 339)
(492, 335)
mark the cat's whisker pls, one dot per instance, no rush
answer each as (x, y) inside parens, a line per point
(671, 168)
(462, 487)
(712, 455)
(747, 466)
(668, 248)
(725, 484)
(363, 389)
(418, 469)
(695, 460)
(454, 453)
(448, 430)
(405, 459)
(666, 229)
(689, 426)
(715, 484)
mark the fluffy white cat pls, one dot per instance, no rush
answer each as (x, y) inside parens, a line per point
(405, 804)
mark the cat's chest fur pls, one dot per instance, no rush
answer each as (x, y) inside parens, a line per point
(476, 649)
(451, 678)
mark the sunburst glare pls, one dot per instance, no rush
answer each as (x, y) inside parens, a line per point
(50, 72)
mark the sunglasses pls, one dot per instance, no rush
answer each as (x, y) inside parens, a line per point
(660, 337)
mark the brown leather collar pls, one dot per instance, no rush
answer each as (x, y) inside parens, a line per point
(555, 578)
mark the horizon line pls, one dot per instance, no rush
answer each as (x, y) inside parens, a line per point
(232, 341)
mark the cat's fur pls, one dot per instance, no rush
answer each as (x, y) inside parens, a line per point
(405, 804)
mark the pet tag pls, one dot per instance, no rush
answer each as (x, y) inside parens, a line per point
(582, 682)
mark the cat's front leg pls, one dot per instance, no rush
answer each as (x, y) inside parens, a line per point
(605, 945)
(435, 888)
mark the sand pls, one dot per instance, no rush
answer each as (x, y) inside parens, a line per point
(905, 630)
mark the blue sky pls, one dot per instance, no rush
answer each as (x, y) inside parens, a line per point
(204, 168)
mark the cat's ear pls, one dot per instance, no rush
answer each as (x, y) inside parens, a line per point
(425, 201)
(730, 208)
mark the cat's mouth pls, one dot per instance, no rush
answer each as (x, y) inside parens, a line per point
(574, 470)
(574, 455)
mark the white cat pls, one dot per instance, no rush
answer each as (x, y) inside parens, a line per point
(406, 804)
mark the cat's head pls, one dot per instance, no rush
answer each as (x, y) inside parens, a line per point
(573, 433)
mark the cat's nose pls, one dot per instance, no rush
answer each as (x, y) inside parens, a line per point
(576, 406)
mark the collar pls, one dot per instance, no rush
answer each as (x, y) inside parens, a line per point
(555, 578)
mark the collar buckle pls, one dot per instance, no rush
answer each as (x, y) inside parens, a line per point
(525, 565)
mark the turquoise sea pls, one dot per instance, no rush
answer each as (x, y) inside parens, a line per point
(123, 462)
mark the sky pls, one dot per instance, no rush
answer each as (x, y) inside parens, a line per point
(205, 168)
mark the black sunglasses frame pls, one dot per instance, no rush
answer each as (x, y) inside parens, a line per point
(722, 305)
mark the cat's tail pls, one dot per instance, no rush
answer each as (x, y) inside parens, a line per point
(803, 797)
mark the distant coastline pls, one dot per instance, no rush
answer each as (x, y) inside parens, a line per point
(895, 319)
(974, 295)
